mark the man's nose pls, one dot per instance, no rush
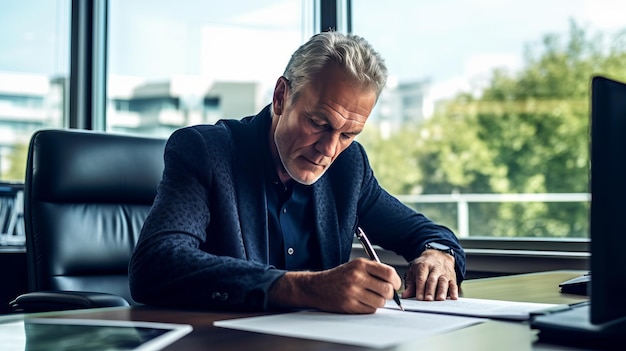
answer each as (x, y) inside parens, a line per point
(328, 144)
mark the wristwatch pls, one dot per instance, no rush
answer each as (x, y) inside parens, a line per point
(440, 247)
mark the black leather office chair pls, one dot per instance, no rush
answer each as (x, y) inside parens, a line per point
(86, 197)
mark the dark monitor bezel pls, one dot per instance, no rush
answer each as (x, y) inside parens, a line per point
(608, 200)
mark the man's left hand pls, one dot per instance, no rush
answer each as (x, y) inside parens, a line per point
(431, 277)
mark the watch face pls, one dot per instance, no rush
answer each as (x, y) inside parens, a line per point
(438, 246)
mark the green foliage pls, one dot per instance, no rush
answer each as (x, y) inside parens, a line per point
(395, 159)
(528, 132)
(17, 158)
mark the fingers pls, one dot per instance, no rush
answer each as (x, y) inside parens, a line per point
(434, 287)
(432, 277)
(363, 286)
(453, 290)
(409, 290)
(385, 273)
(381, 279)
(360, 286)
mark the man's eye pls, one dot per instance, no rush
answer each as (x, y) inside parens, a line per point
(317, 125)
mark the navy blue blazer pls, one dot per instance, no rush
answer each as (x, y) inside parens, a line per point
(204, 243)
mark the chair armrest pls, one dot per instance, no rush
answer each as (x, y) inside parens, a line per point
(43, 301)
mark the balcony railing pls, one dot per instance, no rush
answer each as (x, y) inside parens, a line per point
(463, 200)
(11, 207)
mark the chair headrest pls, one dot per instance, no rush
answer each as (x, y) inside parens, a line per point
(73, 165)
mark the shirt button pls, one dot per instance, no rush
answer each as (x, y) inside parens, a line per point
(219, 296)
(290, 251)
(284, 210)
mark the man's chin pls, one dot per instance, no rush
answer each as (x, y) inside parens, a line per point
(307, 178)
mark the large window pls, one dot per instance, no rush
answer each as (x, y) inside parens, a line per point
(176, 63)
(484, 124)
(34, 65)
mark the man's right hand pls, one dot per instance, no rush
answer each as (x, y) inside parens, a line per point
(358, 286)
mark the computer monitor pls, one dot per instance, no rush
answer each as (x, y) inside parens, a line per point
(602, 322)
(607, 221)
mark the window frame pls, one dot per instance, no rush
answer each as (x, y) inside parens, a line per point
(486, 256)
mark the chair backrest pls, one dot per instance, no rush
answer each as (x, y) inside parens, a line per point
(86, 197)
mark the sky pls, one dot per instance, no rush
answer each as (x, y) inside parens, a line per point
(452, 44)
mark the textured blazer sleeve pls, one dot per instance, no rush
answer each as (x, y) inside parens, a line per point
(191, 250)
(395, 226)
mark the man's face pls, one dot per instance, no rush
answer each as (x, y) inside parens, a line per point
(311, 132)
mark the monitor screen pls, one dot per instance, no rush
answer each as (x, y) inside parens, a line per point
(608, 200)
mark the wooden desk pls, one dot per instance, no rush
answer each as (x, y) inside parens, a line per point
(540, 287)
(492, 335)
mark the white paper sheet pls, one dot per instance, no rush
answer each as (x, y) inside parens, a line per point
(385, 328)
(478, 307)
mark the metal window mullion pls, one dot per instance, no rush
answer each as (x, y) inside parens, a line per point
(336, 15)
(328, 15)
(87, 64)
(99, 65)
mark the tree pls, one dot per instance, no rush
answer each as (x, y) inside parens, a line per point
(17, 159)
(527, 132)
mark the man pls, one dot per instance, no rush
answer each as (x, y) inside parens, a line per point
(260, 213)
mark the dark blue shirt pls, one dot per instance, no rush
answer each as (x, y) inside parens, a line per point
(293, 244)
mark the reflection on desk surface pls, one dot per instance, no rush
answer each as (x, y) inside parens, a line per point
(491, 335)
(542, 287)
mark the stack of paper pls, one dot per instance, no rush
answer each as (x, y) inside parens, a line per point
(479, 308)
(389, 326)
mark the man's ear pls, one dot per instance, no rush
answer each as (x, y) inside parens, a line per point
(279, 98)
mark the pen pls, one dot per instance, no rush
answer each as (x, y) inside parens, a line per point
(360, 234)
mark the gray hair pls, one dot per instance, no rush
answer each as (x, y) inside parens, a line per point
(353, 54)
